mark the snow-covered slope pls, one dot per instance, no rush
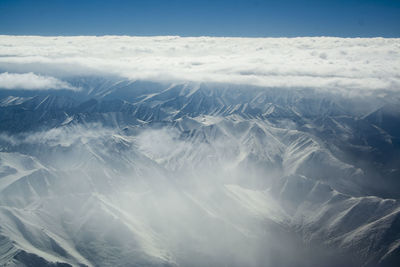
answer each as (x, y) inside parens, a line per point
(126, 173)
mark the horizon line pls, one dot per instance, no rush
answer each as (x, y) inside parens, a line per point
(203, 36)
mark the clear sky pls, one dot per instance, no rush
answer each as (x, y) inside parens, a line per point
(263, 18)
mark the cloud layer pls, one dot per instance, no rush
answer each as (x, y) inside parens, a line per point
(31, 81)
(325, 62)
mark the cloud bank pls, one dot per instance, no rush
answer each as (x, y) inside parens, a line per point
(324, 62)
(31, 81)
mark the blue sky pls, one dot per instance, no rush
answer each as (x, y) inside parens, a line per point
(347, 18)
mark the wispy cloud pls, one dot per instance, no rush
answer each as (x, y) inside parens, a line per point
(31, 81)
(326, 63)
(61, 136)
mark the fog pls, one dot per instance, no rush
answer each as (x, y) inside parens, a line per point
(180, 151)
(150, 195)
(146, 175)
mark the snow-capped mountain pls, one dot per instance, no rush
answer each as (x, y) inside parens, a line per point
(140, 173)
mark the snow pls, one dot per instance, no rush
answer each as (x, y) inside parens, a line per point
(160, 179)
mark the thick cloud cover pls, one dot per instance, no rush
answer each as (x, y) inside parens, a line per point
(325, 62)
(31, 81)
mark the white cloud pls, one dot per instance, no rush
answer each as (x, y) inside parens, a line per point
(31, 81)
(325, 62)
(63, 136)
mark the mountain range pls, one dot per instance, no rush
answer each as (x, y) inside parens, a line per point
(143, 173)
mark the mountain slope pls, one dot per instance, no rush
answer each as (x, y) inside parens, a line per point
(127, 173)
